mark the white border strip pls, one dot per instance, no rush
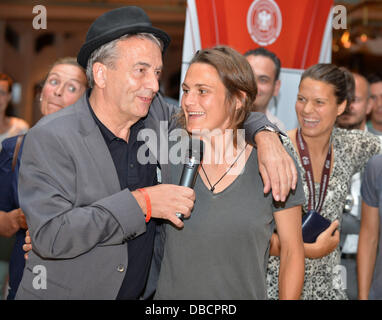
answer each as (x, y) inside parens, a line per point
(191, 41)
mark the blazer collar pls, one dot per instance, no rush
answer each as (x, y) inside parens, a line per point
(96, 145)
(85, 119)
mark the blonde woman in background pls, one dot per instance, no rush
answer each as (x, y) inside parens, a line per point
(64, 85)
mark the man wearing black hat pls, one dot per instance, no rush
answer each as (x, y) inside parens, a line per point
(92, 237)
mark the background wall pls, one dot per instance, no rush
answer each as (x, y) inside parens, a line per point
(26, 53)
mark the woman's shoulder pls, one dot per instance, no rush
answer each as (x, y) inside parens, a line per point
(289, 140)
(356, 138)
(289, 145)
(355, 147)
(375, 164)
(6, 154)
(352, 134)
(341, 133)
(18, 126)
(9, 144)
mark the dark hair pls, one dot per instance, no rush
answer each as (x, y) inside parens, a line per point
(5, 77)
(269, 54)
(237, 76)
(340, 78)
(374, 78)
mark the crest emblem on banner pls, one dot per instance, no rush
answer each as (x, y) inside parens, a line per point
(264, 21)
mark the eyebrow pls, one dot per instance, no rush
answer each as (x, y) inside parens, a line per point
(57, 75)
(315, 97)
(145, 64)
(197, 85)
(263, 76)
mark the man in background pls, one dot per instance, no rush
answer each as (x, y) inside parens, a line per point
(266, 68)
(354, 118)
(375, 123)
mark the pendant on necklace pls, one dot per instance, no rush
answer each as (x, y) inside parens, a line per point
(212, 189)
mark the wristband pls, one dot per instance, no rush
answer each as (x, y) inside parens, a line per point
(148, 203)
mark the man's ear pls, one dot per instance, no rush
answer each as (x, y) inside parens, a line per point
(99, 74)
(369, 106)
(276, 90)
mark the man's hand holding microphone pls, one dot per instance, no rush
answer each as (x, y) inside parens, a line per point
(171, 202)
(166, 200)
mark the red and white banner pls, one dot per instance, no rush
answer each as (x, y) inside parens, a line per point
(299, 32)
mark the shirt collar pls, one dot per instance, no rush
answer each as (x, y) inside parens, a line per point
(107, 134)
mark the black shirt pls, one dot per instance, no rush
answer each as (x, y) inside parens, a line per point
(132, 175)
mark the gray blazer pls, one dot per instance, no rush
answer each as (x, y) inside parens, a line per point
(78, 217)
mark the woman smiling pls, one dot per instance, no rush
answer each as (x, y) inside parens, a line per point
(222, 251)
(328, 158)
(64, 84)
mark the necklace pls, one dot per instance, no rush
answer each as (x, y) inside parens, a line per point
(212, 187)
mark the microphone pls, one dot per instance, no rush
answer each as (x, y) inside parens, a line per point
(190, 169)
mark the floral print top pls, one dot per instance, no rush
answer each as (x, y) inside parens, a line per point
(352, 149)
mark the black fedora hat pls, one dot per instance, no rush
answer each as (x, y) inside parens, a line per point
(114, 24)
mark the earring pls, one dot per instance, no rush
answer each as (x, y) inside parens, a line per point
(40, 98)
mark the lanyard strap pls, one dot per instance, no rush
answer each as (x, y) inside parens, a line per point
(306, 163)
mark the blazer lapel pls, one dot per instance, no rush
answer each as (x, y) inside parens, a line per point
(97, 147)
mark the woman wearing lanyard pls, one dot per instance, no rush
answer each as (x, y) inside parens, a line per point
(327, 157)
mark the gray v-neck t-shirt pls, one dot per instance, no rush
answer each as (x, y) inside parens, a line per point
(222, 251)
